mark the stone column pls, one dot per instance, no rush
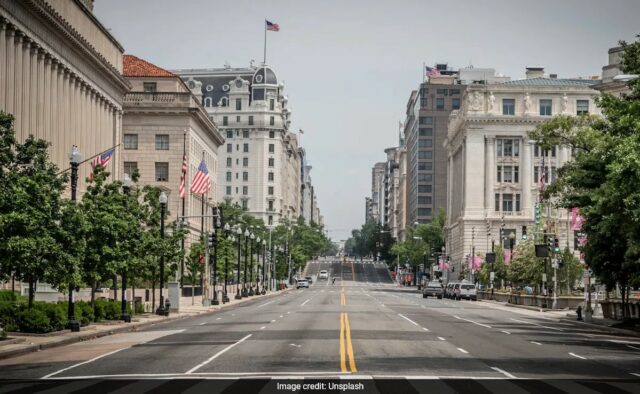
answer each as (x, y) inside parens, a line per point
(4, 59)
(19, 81)
(526, 166)
(46, 100)
(40, 90)
(9, 92)
(32, 95)
(491, 169)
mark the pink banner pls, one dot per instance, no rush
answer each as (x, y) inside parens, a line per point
(507, 256)
(444, 266)
(576, 219)
(474, 264)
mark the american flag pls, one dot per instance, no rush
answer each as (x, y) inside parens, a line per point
(183, 178)
(201, 182)
(102, 159)
(542, 175)
(272, 26)
(432, 72)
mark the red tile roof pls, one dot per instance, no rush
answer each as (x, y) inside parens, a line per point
(136, 67)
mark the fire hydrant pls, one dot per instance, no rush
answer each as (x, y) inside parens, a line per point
(579, 313)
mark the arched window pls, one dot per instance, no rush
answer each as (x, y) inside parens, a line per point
(207, 101)
(224, 101)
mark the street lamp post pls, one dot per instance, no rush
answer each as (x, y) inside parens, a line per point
(257, 253)
(126, 188)
(74, 159)
(264, 266)
(217, 225)
(238, 294)
(252, 236)
(227, 231)
(245, 293)
(163, 205)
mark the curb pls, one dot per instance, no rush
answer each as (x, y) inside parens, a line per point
(133, 327)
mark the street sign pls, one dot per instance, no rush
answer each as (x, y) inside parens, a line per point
(492, 276)
(544, 277)
(554, 264)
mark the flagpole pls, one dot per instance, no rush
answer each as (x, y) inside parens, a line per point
(424, 69)
(264, 61)
(184, 153)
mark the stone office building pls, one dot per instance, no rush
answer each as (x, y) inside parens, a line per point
(260, 163)
(493, 167)
(61, 77)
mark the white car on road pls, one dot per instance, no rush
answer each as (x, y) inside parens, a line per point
(323, 275)
(302, 283)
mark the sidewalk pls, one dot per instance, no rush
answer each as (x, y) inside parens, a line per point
(563, 315)
(32, 343)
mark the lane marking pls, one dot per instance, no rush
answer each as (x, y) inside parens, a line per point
(506, 332)
(263, 327)
(219, 318)
(463, 351)
(220, 353)
(82, 363)
(536, 343)
(407, 319)
(266, 303)
(577, 356)
(471, 321)
(635, 374)
(288, 313)
(441, 338)
(303, 304)
(633, 347)
(203, 323)
(343, 360)
(536, 324)
(505, 373)
(352, 360)
(281, 316)
(273, 321)
(426, 329)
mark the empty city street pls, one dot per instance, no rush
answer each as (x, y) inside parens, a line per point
(364, 326)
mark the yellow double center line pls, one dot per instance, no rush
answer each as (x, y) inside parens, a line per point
(346, 347)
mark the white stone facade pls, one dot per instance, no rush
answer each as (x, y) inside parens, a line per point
(493, 167)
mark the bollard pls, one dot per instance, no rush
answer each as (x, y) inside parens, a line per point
(579, 313)
(167, 305)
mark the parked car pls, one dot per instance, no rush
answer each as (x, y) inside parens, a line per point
(449, 291)
(323, 275)
(302, 283)
(467, 291)
(433, 289)
(309, 279)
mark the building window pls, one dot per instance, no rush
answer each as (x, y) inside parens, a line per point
(424, 143)
(130, 167)
(424, 211)
(162, 172)
(272, 104)
(454, 92)
(270, 209)
(251, 120)
(499, 174)
(245, 190)
(245, 148)
(228, 190)
(238, 119)
(131, 141)
(440, 103)
(508, 106)
(507, 174)
(270, 190)
(229, 133)
(270, 220)
(455, 103)
(508, 147)
(272, 134)
(271, 162)
(425, 155)
(245, 133)
(425, 120)
(272, 148)
(238, 104)
(425, 178)
(582, 107)
(149, 87)
(545, 107)
(162, 142)
(225, 120)
(229, 176)
(442, 91)
(425, 132)
(517, 202)
(245, 162)
(497, 197)
(425, 200)
(245, 204)
(229, 162)
(270, 176)
(425, 166)
(229, 148)
(224, 102)
(516, 174)
(272, 121)
(424, 188)
(245, 176)
(507, 202)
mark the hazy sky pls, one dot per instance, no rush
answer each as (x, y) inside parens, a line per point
(349, 66)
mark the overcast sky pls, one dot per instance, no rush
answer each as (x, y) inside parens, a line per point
(349, 66)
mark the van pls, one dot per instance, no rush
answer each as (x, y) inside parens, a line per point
(449, 291)
(468, 292)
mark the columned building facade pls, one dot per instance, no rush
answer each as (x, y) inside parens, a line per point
(60, 76)
(494, 168)
(260, 163)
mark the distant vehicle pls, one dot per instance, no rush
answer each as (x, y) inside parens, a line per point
(467, 291)
(309, 279)
(433, 289)
(449, 290)
(323, 275)
(302, 283)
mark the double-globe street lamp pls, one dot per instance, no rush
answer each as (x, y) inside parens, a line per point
(238, 293)
(264, 265)
(245, 292)
(217, 225)
(163, 206)
(74, 159)
(250, 255)
(229, 237)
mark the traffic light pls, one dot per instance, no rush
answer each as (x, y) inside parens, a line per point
(536, 214)
(524, 232)
(211, 241)
(556, 245)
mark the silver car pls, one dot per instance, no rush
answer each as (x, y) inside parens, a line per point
(302, 283)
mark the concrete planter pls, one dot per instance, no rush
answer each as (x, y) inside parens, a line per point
(563, 302)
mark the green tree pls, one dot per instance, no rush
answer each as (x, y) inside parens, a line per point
(195, 265)
(30, 209)
(604, 178)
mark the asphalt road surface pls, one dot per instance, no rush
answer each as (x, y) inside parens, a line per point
(363, 325)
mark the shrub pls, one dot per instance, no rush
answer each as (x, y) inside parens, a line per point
(56, 313)
(9, 315)
(34, 321)
(112, 311)
(84, 313)
(139, 308)
(8, 295)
